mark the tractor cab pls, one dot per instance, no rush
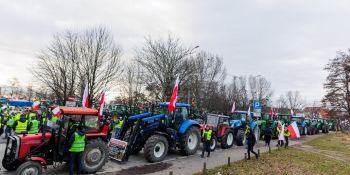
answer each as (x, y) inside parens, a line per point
(31, 152)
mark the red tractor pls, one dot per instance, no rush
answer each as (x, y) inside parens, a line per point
(222, 131)
(29, 153)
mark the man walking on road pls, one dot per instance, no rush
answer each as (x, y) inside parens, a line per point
(77, 146)
(250, 142)
(268, 135)
(286, 135)
(206, 139)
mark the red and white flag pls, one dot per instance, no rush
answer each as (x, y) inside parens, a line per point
(233, 108)
(294, 130)
(85, 100)
(102, 104)
(291, 112)
(248, 112)
(35, 106)
(71, 98)
(57, 112)
(172, 104)
(271, 112)
(281, 135)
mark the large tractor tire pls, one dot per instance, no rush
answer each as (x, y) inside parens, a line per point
(214, 142)
(156, 148)
(240, 138)
(227, 140)
(323, 129)
(29, 167)
(94, 156)
(189, 142)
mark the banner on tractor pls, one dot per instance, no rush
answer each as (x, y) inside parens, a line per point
(117, 149)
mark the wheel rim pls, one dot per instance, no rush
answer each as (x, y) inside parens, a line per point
(159, 149)
(229, 139)
(30, 171)
(213, 144)
(192, 141)
(93, 158)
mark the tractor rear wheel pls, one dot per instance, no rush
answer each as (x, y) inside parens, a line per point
(156, 148)
(213, 143)
(189, 142)
(94, 156)
(29, 167)
(240, 138)
(227, 140)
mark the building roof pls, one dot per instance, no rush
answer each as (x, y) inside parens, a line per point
(78, 110)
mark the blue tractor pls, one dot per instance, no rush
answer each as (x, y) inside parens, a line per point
(239, 126)
(159, 131)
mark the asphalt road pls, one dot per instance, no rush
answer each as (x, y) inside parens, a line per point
(174, 161)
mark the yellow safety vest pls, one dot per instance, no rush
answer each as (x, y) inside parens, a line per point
(34, 128)
(78, 144)
(21, 126)
(207, 135)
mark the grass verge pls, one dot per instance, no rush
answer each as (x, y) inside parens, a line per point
(288, 162)
(332, 142)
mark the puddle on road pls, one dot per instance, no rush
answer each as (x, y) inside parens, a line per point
(145, 169)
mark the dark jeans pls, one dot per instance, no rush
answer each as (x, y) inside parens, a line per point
(280, 143)
(286, 145)
(75, 158)
(117, 130)
(206, 147)
(267, 140)
(8, 131)
(250, 149)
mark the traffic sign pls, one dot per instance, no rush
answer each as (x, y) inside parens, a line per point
(257, 105)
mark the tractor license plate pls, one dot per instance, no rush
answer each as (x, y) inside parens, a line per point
(117, 149)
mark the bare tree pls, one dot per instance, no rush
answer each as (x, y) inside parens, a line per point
(294, 101)
(163, 60)
(238, 92)
(338, 84)
(57, 66)
(99, 62)
(260, 89)
(14, 86)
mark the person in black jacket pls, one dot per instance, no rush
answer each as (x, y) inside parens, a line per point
(250, 142)
(268, 135)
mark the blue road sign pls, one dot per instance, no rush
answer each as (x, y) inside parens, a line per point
(257, 105)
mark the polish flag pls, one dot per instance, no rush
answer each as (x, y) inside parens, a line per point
(248, 112)
(57, 112)
(233, 108)
(172, 104)
(85, 101)
(294, 130)
(71, 98)
(281, 135)
(291, 112)
(271, 112)
(36, 106)
(102, 103)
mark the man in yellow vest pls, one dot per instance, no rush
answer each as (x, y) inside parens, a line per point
(33, 126)
(21, 125)
(206, 139)
(286, 136)
(118, 125)
(9, 123)
(76, 147)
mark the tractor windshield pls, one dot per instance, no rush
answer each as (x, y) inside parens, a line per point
(212, 119)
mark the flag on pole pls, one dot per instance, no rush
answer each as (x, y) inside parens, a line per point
(35, 106)
(291, 112)
(271, 113)
(57, 112)
(281, 135)
(294, 130)
(172, 104)
(85, 100)
(102, 103)
(248, 112)
(233, 108)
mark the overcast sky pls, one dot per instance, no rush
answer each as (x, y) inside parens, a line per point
(288, 42)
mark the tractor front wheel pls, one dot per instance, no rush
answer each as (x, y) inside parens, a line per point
(240, 138)
(227, 140)
(213, 143)
(30, 167)
(94, 156)
(156, 148)
(189, 142)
